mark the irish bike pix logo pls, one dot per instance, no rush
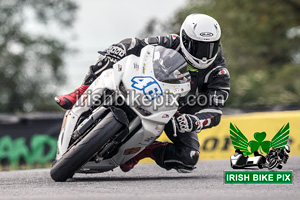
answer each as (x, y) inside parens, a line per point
(267, 154)
(270, 155)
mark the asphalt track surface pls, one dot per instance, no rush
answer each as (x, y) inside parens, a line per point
(146, 181)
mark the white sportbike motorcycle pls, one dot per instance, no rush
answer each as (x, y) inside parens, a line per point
(121, 113)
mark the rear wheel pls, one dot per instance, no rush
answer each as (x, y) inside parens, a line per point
(84, 150)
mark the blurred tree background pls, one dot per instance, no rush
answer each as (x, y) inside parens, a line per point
(31, 63)
(261, 45)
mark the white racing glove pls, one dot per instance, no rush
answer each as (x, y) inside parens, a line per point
(187, 123)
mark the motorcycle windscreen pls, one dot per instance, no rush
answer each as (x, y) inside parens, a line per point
(170, 66)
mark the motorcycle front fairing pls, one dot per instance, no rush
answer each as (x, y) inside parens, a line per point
(138, 75)
(84, 103)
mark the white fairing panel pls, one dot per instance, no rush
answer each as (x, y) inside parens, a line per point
(92, 94)
(136, 73)
(65, 134)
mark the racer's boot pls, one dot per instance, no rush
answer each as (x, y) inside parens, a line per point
(68, 100)
(155, 151)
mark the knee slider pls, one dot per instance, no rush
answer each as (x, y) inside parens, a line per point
(189, 157)
(193, 157)
(180, 157)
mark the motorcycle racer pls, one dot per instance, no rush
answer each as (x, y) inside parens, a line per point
(199, 43)
(277, 156)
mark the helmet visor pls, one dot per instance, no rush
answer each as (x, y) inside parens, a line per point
(199, 49)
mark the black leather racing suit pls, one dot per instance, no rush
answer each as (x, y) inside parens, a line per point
(210, 86)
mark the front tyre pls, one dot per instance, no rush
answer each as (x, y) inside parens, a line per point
(84, 150)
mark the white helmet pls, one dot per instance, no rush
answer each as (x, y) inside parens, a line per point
(199, 40)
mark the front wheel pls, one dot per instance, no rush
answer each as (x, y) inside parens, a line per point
(84, 150)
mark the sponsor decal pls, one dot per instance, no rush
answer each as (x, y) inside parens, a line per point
(223, 72)
(165, 116)
(132, 150)
(148, 85)
(120, 67)
(149, 139)
(136, 66)
(206, 34)
(157, 128)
